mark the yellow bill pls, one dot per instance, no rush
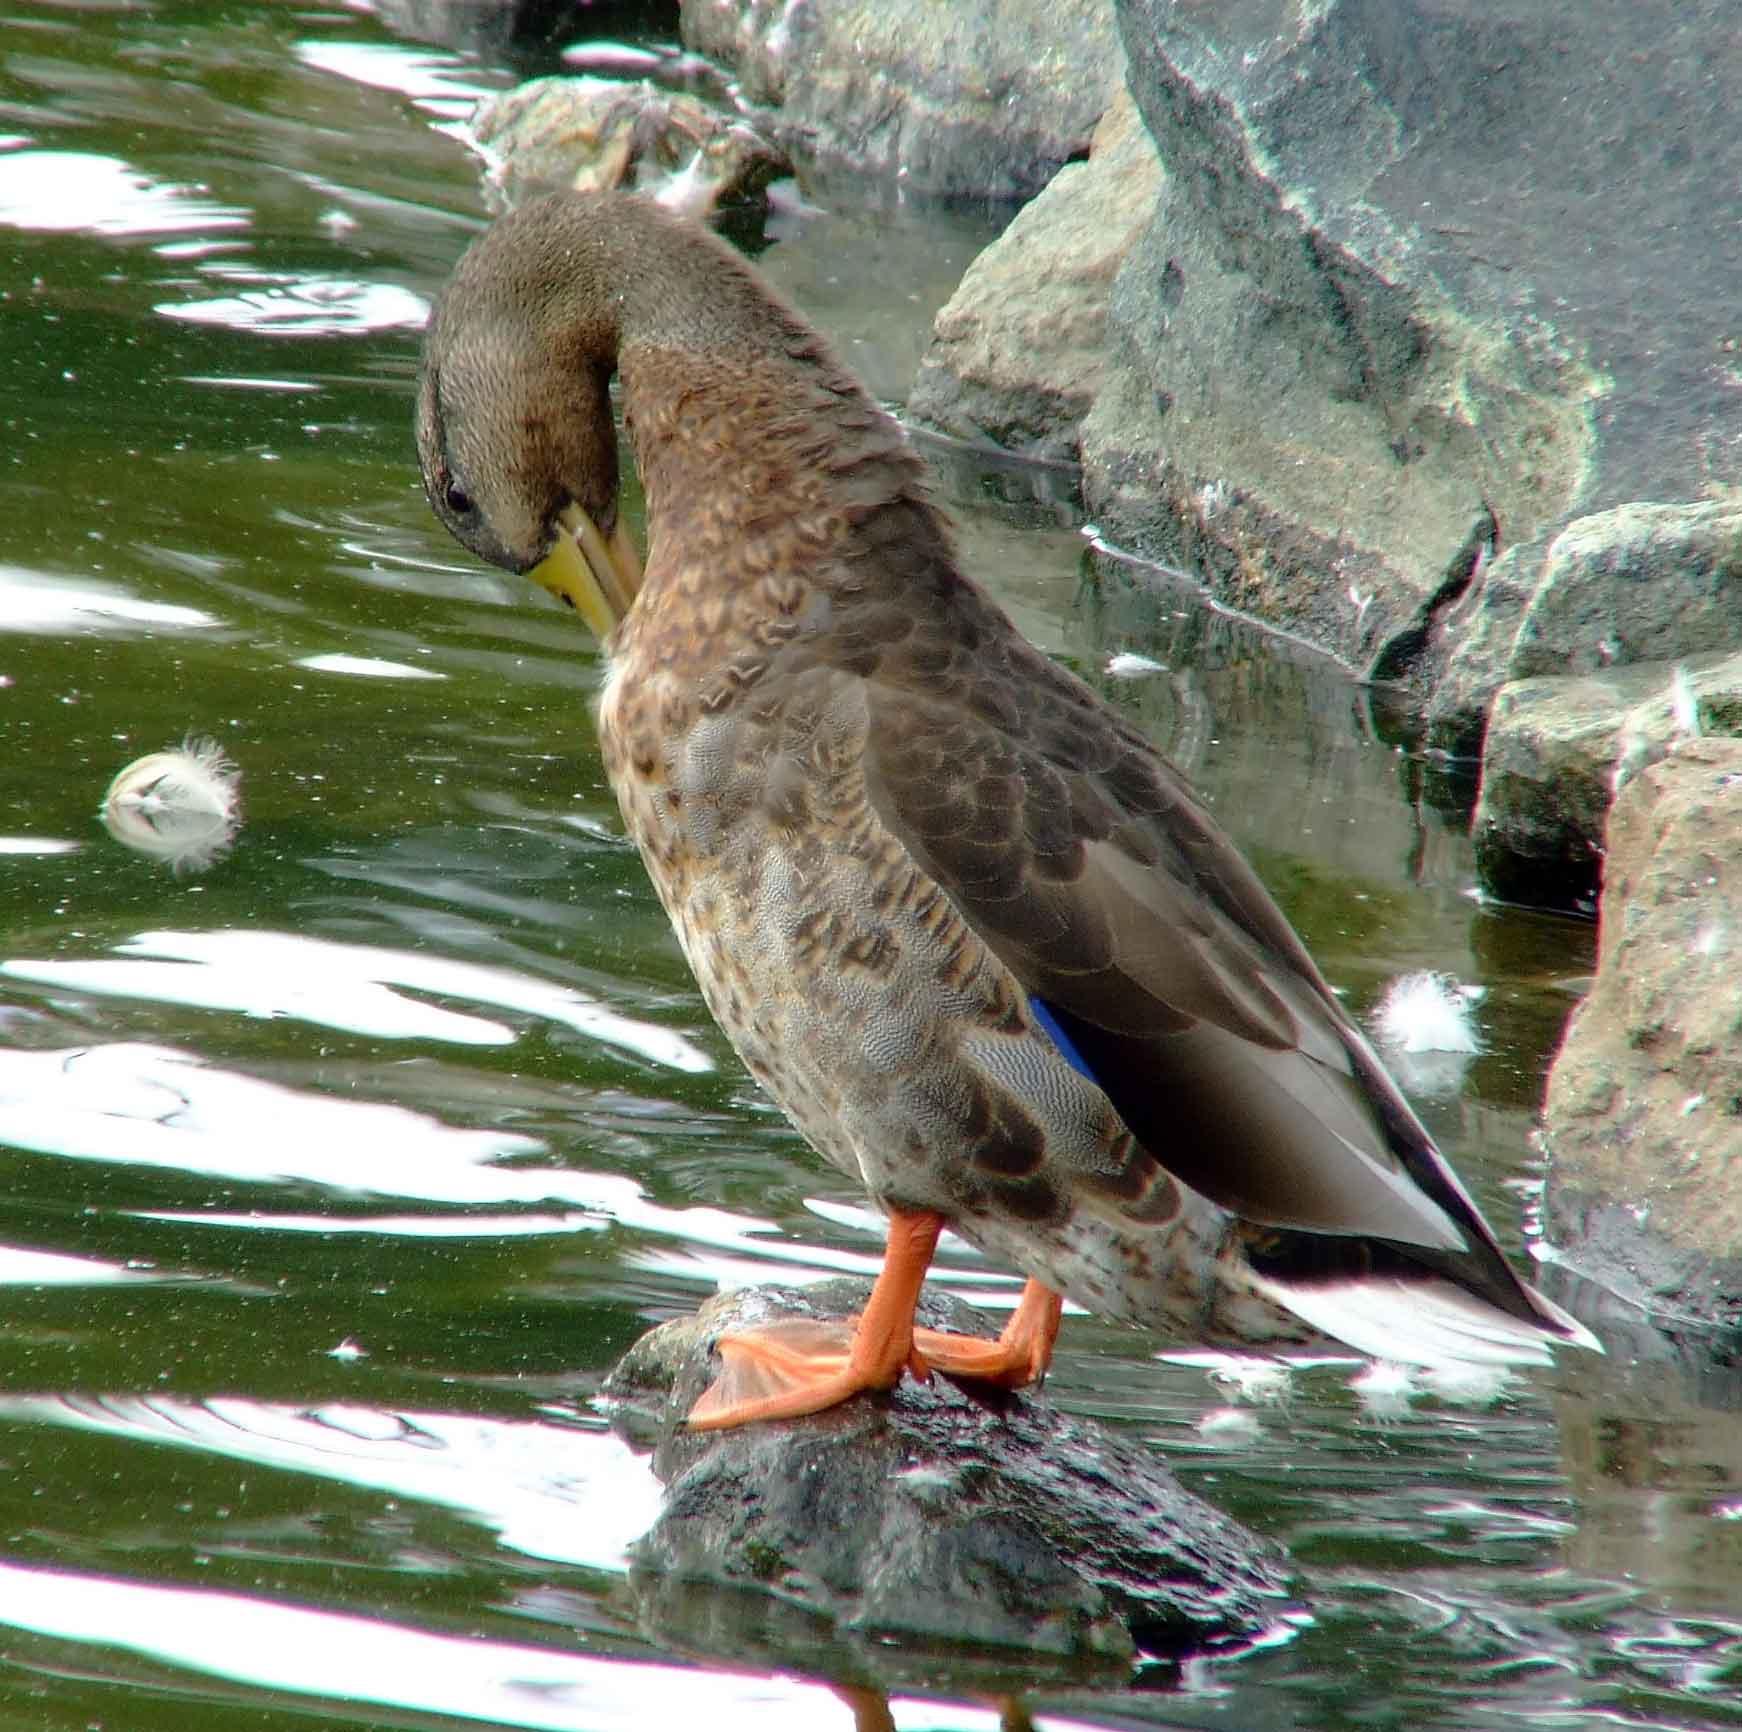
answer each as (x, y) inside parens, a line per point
(598, 578)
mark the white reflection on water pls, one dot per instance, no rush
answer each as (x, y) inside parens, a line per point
(152, 1106)
(32, 601)
(21, 1268)
(271, 1645)
(347, 987)
(240, 382)
(308, 307)
(547, 1491)
(38, 845)
(67, 190)
(440, 84)
(719, 1249)
(368, 667)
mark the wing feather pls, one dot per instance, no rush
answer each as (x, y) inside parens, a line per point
(1083, 860)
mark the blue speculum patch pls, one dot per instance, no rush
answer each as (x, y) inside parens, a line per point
(1045, 1015)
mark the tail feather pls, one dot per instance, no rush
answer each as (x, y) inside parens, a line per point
(1425, 1320)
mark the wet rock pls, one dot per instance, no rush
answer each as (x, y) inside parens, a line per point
(1644, 1108)
(1019, 354)
(991, 1522)
(598, 134)
(1548, 771)
(967, 102)
(1557, 750)
(1639, 583)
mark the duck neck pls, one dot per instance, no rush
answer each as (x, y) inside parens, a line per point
(751, 437)
(743, 424)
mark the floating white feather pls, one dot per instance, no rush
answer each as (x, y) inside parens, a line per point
(182, 807)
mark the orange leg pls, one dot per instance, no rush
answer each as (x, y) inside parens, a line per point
(785, 1370)
(870, 1707)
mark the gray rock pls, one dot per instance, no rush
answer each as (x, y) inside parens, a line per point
(599, 134)
(1640, 583)
(990, 1521)
(1643, 1119)
(1018, 355)
(1322, 399)
(982, 102)
(1559, 747)
(1390, 307)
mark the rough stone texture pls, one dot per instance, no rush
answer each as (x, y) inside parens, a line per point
(1559, 747)
(1639, 583)
(1392, 301)
(599, 134)
(1644, 1109)
(1568, 158)
(981, 102)
(1322, 396)
(1018, 356)
(990, 1521)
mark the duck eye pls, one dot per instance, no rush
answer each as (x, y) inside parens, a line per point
(457, 499)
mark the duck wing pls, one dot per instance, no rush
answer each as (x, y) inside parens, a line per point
(1158, 963)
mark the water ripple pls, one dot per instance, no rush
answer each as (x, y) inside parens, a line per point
(547, 1490)
(272, 1644)
(347, 987)
(34, 602)
(308, 307)
(72, 190)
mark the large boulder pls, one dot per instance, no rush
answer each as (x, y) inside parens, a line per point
(1644, 1110)
(971, 102)
(1387, 319)
(1321, 399)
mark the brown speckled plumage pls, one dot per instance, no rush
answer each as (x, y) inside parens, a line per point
(891, 835)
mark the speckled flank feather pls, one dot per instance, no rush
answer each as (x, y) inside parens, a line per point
(883, 825)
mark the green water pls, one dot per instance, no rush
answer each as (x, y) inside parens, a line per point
(337, 1176)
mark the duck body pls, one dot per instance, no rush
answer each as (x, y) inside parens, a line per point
(747, 746)
(964, 923)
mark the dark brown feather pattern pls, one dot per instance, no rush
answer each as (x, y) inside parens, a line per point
(884, 824)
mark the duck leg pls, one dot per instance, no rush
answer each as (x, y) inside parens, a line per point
(786, 1370)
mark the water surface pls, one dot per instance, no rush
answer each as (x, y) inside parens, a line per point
(338, 1175)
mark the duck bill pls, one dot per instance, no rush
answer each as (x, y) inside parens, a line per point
(597, 576)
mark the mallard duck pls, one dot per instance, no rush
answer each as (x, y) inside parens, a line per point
(968, 927)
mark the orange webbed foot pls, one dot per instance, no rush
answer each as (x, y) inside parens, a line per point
(1019, 1356)
(974, 1357)
(789, 1369)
